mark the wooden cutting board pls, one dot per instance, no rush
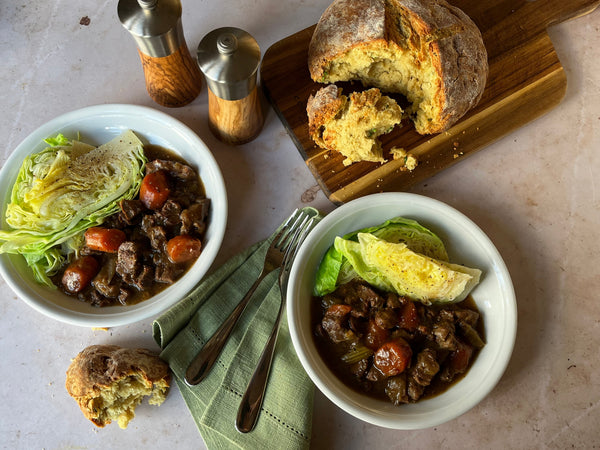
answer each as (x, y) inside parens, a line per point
(526, 80)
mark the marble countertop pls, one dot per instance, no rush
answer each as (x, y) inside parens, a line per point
(534, 192)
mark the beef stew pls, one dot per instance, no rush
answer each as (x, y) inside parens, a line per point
(390, 347)
(149, 244)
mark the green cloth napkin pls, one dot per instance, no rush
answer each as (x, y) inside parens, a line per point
(286, 417)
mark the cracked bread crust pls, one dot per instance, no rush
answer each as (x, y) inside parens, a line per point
(427, 50)
(109, 381)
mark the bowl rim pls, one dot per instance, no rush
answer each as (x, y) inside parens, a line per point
(109, 115)
(342, 395)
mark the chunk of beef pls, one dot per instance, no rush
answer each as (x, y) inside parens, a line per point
(169, 213)
(329, 299)
(94, 298)
(359, 308)
(444, 331)
(149, 221)
(369, 296)
(158, 237)
(386, 318)
(131, 210)
(457, 362)
(397, 389)
(392, 300)
(347, 295)
(359, 369)
(129, 257)
(335, 323)
(425, 368)
(374, 374)
(466, 316)
(166, 271)
(174, 168)
(193, 219)
(144, 278)
(115, 221)
(414, 390)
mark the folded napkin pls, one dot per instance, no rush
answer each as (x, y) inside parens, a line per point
(286, 417)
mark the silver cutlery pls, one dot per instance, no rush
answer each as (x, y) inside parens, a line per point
(201, 365)
(253, 397)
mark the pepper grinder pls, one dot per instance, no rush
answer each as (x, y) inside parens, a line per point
(172, 76)
(229, 59)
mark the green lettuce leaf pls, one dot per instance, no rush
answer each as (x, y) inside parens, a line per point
(63, 190)
(393, 267)
(335, 269)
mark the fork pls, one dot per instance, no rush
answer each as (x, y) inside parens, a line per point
(201, 365)
(255, 391)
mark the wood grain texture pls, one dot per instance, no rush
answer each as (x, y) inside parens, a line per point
(173, 80)
(526, 80)
(235, 121)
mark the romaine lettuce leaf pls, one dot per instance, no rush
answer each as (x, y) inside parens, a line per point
(63, 190)
(335, 269)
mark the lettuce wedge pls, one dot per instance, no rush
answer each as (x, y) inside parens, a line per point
(335, 268)
(393, 267)
(63, 190)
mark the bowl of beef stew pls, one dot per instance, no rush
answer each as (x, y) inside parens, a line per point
(155, 248)
(434, 362)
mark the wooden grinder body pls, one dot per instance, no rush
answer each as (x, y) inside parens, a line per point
(174, 80)
(172, 77)
(235, 121)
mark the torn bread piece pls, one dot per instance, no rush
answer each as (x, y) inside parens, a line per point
(352, 124)
(109, 382)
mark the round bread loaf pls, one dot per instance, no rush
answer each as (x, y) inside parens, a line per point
(427, 50)
(352, 124)
(109, 381)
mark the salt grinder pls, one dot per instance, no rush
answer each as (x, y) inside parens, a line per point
(229, 58)
(172, 76)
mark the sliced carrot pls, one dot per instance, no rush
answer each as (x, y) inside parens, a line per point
(80, 273)
(183, 248)
(104, 239)
(393, 357)
(154, 190)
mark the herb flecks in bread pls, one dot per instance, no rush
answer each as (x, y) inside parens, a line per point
(427, 50)
(352, 124)
(109, 382)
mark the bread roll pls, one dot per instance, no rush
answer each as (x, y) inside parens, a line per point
(427, 50)
(351, 125)
(108, 382)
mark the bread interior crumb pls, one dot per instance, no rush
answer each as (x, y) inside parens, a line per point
(387, 66)
(118, 401)
(355, 129)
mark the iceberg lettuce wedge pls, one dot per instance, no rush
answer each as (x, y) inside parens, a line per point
(335, 268)
(63, 190)
(393, 267)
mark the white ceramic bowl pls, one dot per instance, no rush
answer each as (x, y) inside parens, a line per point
(466, 244)
(97, 125)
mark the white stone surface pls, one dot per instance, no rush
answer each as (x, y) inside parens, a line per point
(535, 193)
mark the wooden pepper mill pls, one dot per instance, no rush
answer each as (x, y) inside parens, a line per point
(172, 76)
(229, 58)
